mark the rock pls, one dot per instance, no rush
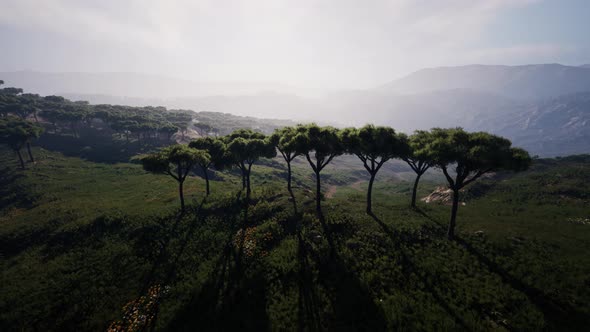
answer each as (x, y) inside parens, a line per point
(441, 195)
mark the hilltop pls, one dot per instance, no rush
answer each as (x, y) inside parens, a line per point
(520, 263)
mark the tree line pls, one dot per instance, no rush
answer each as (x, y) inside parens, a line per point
(147, 125)
(18, 133)
(463, 157)
(154, 125)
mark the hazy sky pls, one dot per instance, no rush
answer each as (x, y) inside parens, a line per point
(331, 43)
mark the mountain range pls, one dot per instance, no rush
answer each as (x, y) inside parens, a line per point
(529, 82)
(544, 108)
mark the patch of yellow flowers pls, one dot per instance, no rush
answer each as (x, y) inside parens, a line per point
(139, 313)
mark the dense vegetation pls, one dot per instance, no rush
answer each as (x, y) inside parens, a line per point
(115, 133)
(91, 246)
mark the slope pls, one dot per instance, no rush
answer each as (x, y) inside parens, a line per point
(96, 241)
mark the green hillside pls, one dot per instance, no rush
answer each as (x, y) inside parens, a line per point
(90, 245)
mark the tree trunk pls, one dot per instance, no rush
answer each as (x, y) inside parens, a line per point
(318, 193)
(248, 180)
(29, 151)
(243, 169)
(451, 231)
(181, 194)
(20, 158)
(370, 194)
(206, 180)
(414, 191)
(289, 176)
(248, 189)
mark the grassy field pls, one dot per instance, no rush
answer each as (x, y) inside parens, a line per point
(88, 245)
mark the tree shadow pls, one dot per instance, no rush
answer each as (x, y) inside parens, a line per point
(352, 306)
(200, 216)
(561, 316)
(408, 266)
(328, 233)
(166, 263)
(13, 192)
(309, 316)
(438, 223)
(230, 299)
(294, 201)
(225, 301)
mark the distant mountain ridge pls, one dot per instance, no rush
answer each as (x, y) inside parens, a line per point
(528, 82)
(558, 126)
(543, 108)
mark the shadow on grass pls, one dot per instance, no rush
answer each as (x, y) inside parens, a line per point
(408, 266)
(163, 256)
(294, 201)
(234, 295)
(168, 242)
(309, 315)
(352, 306)
(560, 316)
(14, 193)
(231, 299)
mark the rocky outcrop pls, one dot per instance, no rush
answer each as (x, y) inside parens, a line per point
(441, 195)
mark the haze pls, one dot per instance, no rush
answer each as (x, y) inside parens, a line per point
(325, 45)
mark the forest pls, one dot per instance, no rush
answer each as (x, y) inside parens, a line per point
(126, 218)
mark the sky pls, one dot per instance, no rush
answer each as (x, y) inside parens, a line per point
(324, 44)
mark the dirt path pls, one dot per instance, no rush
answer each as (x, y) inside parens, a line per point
(332, 189)
(330, 192)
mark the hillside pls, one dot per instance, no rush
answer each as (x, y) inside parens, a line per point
(309, 166)
(539, 107)
(557, 126)
(86, 241)
(528, 82)
(549, 127)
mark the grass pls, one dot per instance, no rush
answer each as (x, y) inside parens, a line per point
(85, 241)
